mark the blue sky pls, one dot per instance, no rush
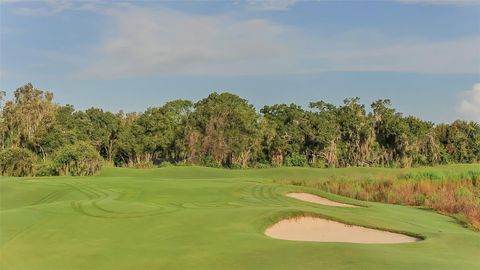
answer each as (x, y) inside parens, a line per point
(423, 54)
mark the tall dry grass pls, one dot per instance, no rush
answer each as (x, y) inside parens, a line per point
(459, 198)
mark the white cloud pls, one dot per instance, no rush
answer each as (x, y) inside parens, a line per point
(154, 41)
(283, 5)
(53, 7)
(161, 41)
(443, 2)
(387, 54)
(469, 104)
(270, 5)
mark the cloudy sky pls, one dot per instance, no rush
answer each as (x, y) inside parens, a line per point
(422, 54)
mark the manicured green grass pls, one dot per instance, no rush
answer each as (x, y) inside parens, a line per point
(202, 218)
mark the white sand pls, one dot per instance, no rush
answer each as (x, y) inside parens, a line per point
(316, 199)
(314, 229)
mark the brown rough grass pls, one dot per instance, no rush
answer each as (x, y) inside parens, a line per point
(456, 198)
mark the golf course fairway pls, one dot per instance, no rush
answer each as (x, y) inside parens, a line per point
(204, 218)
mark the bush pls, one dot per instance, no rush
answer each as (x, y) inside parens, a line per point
(235, 166)
(147, 164)
(17, 162)
(263, 165)
(46, 168)
(79, 159)
(296, 160)
(319, 163)
(209, 161)
(165, 164)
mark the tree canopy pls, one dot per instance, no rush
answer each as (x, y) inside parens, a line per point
(225, 130)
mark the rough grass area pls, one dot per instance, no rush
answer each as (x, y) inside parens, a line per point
(455, 193)
(203, 218)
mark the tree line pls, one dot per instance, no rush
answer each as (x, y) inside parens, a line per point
(40, 137)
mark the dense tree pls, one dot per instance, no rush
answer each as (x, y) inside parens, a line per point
(323, 135)
(223, 130)
(3, 128)
(290, 123)
(390, 132)
(461, 141)
(356, 134)
(2, 95)
(177, 113)
(102, 129)
(64, 130)
(17, 162)
(156, 135)
(424, 148)
(78, 159)
(27, 118)
(128, 146)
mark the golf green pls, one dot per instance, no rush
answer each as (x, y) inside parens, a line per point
(202, 218)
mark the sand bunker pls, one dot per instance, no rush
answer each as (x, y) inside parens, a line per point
(314, 229)
(316, 199)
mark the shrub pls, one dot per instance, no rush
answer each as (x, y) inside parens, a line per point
(17, 162)
(46, 168)
(235, 166)
(165, 164)
(209, 161)
(144, 164)
(262, 165)
(296, 160)
(108, 164)
(319, 163)
(79, 159)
